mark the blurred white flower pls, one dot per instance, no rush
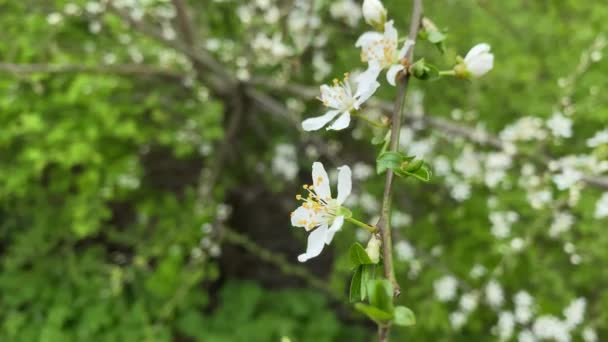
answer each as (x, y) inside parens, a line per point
(505, 325)
(320, 212)
(524, 309)
(501, 223)
(575, 312)
(347, 10)
(562, 221)
(374, 13)
(526, 336)
(589, 335)
(494, 294)
(524, 129)
(341, 100)
(479, 60)
(380, 52)
(284, 162)
(457, 319)
(468, 301)
(54, 18)
(601, 207)
(549, 327)
(461, 191)
(445, 288)
(404, 250)
(600, 138)
(560, 126)
(567, 178)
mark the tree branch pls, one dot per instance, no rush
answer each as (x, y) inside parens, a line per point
(119, 69)
(384, 221)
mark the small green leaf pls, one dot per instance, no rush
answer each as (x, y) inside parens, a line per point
(404, 316)
(375, 314)
(358, 255)
(423, 173)
(436, 36)
(389, 160)
(368, 272)
(356, 284)
(380, 293)
(413, 166)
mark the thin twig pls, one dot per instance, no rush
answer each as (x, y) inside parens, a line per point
(384, 221)
(184, 22)
(279, 261)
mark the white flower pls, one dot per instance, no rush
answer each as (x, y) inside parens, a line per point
(560, 126)
(374, 13)
(505, 325)
(320, 213)
(341, 100)
(601, 207)
(567, 178)
(404, 250)
(347, 10)
(526, 336)
(380, 52)
(445, 288)
(575, 312)
(589, 335)
(549, 327)
(457, 319)
(468, 301)
(600, 138)
(494, 294)
(479, 60)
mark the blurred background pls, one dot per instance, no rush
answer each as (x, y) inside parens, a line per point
(151, 151)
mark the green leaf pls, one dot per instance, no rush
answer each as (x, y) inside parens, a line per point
(356, 288)
(436, 37)
(380, 292)
(368, 272)
(389, 160)
(358, 255)
(413, 166)
(423, 174)
(374, 313)
(404, 316)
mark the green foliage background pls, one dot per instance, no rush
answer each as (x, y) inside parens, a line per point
(101, 223)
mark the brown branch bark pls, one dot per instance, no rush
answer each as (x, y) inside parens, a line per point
(384, 221)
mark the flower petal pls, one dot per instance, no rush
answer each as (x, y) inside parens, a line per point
(367, 83)
(335, 227)
(476, 51)
(316, 241)
(313, 124)
(341, 122)
(391, 74)
(368, 38)
(407, 45)
(345, 183)
(320, 181)
(390, 33)
(300, 217)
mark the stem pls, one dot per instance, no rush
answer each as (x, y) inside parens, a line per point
(371, 229)
(447, 73)
(384, 222)
(370, 122)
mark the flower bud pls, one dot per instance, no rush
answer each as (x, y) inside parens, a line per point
(373, 248)
(374, 14)
(478, 61)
